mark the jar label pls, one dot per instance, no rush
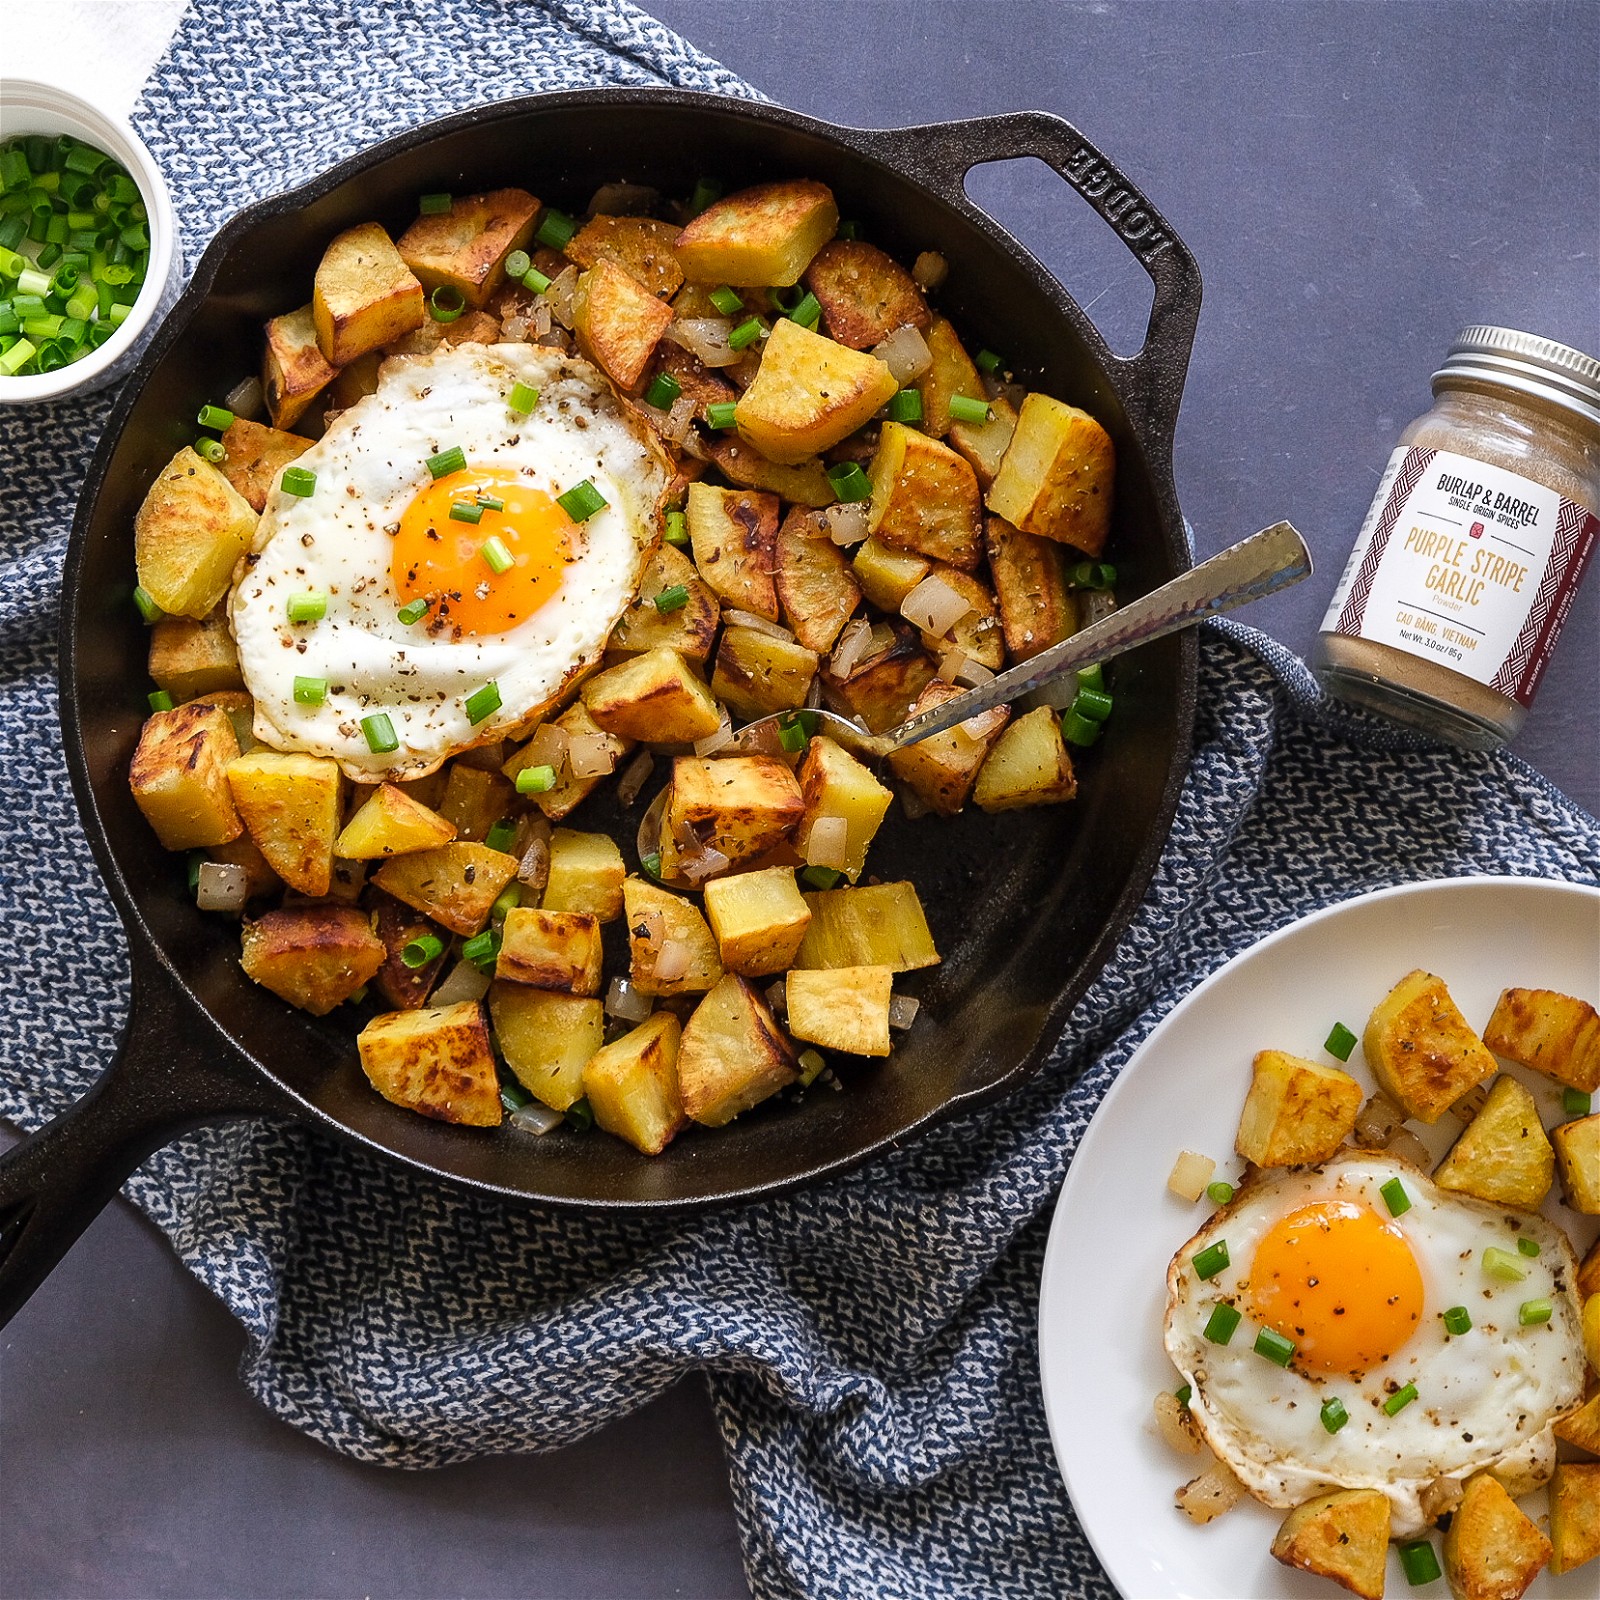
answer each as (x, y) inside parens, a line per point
(1467, 565)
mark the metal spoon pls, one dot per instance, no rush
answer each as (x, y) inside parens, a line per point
(1258, 566)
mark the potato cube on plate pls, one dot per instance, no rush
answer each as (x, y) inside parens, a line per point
(403, 986)
(619, 322)
(673, 950)
(586, 874)
(655, 698)
(1577, 1147)
(802, 483)
(188, 534)
(689, 629)
(1553, 1033)
(547, 1039)
(437, 1061)
(632, 1085)
(865, 294)
(759, 918)
(885, 682)
(456, 884)
(290, 803)
(733, 1054)
(743, 805)
(363, 295)
(571, 788)
(880, 925)
(465, 248)
(1058, 475)
(557, 950)
(642, 246)
(834, 784)
(1503, 1156)
(1037, 607)
(734, 533)
(762, 237)
(190, 658)
(294, 370)
(925, 498)
(984, 444)
(1581, 1428)
(474, 800)
(1297, 1112)
(885, 575)
(757, 674)
(944, 767)
(315, 957)
(1421, 1049)
(389, 822)
(845, 1008)
(952, 373)
(816, 588)
(257, 456)
(1574, 1514)
(1029, 765)
(1343, 1536)
(179, 776)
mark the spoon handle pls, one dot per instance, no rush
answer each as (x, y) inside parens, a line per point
(1260, 565)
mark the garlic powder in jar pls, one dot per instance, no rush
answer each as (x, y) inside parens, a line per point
(1472, 552)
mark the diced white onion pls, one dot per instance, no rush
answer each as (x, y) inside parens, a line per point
(245, 399)
(590, 755)
(973, 674)
(1176, 1424)
(906, 354)
(536, 1119)
(540, 320)
(680, 419)
(1205, 1498)
(515, 329)
(672, 961)
(950, 665)
(853, 644)
(634, 777)
(533, 869)
(706, 863)
(847, 523)
(748, 619)
(705, 338)
(222, 886)
(1406, 1146)
(934, 606)
(720, 740)
(929, 270)
(466, 981)
(1190, 1174)
(1377, 1122)
(828, 844)
(625, 1001)
(903, 1010)
(548, 747)
(562, 295)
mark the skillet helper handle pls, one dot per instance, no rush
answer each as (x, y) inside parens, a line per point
(942, 154)
(164, 1080)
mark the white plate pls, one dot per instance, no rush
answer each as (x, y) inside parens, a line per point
(1116, 1225)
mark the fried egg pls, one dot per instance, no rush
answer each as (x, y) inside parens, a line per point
(1350, 1365)
(438, 604)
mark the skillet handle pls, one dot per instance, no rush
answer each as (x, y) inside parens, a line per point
(171, 1073)
(942, 153)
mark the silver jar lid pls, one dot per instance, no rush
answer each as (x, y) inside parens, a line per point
(1527, 363)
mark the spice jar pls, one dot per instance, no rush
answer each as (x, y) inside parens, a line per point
(1471, 554)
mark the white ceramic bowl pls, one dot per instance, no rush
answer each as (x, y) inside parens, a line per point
(30, 107)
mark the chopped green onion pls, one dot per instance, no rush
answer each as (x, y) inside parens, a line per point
(1528, 1247)
(1219, 1193)
(1183, 1394)
(434, 205)
(483, 703)
(17, 357)
(452, 460)
(518, 263)
(1210, 1261)
(722, 414)
(849, 230)
(821, 877)
(466, 511)
(310, 691)
(1340, 1042)
(849, 482)
(1092, 575)
(534, 281)
(1271, 1344)
(413, 611)
(579, 1116)
(582, 501)
(491, 502)
(663, 390)
(1079, 730)
(160, 700)
(1533, 1312)
(963, 408)
(510, 899)
(513, 1097)
(1399, 1400)
(808, 313)
(379, 730)
(298, 481)
(482, 948)
(726, 300)
(1095, 704)
(1334, 1415)
(522, 399)
(217, 417)
(197, 859)
(906, 406)
(706, 192)
(986, 361)
(146, 602)
(812, 1066)
(33, 282)
(677, 528)
(1576, 1102)
(501, 836)
(421, 950)
(1222, 1322)
(556, 229)
(309, 606)
(536, 780)
(1418, 1562)
(673, 599)
(652, 863)
(1458, 1320)
(746, 333)
(446, 303)
(210, 450)
(1502, 1265)
(792, 737)
(1395, 1197)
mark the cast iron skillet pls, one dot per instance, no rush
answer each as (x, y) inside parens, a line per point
(1025, 908)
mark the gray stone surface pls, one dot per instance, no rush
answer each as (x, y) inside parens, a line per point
(1358, 181)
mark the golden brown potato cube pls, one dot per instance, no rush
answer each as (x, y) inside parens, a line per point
(733, 1054)
(1037, 606)
(256, 458)
(881, 925)
(456, 884)
(1297, 1112)
(190, 658)
(844, 1008)
(1503, 1156)
(864, 293)
(547, 1039)
(984, 444)
(1581, 1428)
(571, 789)
(887, 576)
(1552, 1033)
(1591, 1331)
(976, 635)
(654, 698)
(952, 373)
(1574, 1514)
(1578, 1161)
(690, 629)
(179, 776)
(804, 484)
(759, 919)
(437, 1061)
(641, 246)
(1029, 765)
(760, 238)
(1420, 1048)
(363, 295)
(390, 823)
(402, 986)
(816, 588)
(586, 874)
(557, 950)
(618, 322)
(743, 805)
(188, 534)
(465, 248)
(944, 767)
(925, 498)
(834, 784)
(1343, 1536)
(315, 957)
(1058, 475)
(884, 684)
(290, 804)
(809, 393)
(632, 1085)
(1491, 1550)
(259, 878)
(294, 370)
(757, 673)
(474, 800)
(1588, 1279)
(735, 534)
(664, 925)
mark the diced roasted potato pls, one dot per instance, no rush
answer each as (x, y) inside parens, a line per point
(363, 295)
(1343, 1536)
(834, 784)
(1553, 1033)
(465, 248)
(654, 698)
(1420, 1048)
(570, 790)
(925, 498)
(390, 823)
(887, 576)
(735, 533)
(816, 588)
(618, 322)
(256, 458)
(658, 920)
(804, 483)
(1504, 1156)
(1029, 765)
(315, 957)
(1581, 1428)
(1589, 1278)
(952, 373)
(403, 986)
(977, 635)
(474, 800)
(757, 673)
(810, 393)
(1574, 1514)
(437, 1061)
(179, 776)
(743, 805)
(1058, 475)
(1297, 1112)
(759, 919)
(632, 1085)
(944, 767)
(557, 950)
(884, 684)
(881, 925)
(690, 629)
(843, 1008)
(642, 246)
(1591, 1331)
(547, 1039)
(190, 658)
(189, 532)
(1037, 608)
(1491, 1550)
(456, 884)
(984, 444)
(586, 874)
(733, 1054)
(1577, 1146)
(290, 803)
(864, 293)
(294, 370)
(759, 238)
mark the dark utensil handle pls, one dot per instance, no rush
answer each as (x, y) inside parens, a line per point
(171, 1073)
(942, 154)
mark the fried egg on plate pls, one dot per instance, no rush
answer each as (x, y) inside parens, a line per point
(1318, 1258)
(381, 530)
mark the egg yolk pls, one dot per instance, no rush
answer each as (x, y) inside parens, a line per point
(1340, 1282)
(440, 558)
